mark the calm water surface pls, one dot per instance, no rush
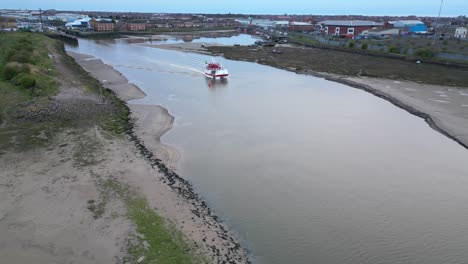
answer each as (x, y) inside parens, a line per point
(306, 170)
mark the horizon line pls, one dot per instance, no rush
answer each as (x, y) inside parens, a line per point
(234, 13)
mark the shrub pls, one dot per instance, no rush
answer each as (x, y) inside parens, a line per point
(12, 69)
(394, 50)
(425, 53)
(19, 56)
(445, 42)
(364, 46)
(25, 80)
(351, 44)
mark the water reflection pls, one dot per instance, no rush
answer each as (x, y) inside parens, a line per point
(306, 170)
(216, 84)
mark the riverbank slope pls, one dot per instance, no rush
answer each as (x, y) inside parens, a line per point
(79, 184)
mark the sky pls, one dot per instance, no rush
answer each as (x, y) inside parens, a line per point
(321, 7)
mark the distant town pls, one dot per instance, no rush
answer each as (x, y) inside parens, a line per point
(342, 26)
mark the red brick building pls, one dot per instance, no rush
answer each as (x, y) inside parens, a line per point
(347, 27)
(135, 27)
(103, 26)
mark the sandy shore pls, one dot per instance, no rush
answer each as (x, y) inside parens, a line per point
(108, 76)
(152, 122)
(68, 201)
(148, 165)
(183, 47)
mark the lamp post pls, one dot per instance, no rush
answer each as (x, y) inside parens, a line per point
(440, 11)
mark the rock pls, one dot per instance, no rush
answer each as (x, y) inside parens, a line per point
(141, 259)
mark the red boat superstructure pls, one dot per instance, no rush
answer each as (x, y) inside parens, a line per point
(215, 71)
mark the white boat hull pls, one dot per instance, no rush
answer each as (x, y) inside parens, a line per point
(218, 74)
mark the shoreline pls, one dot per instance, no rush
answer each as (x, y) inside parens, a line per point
(430, 120)
(186, 210)
(362, 84)
(426, 101)
(108, 76)
(182, 47)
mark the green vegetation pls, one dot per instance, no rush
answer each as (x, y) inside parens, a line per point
(352, 44)
(25, 63)
(393, 50)
(364, 46)
(156, 241)
(304, 40)
(425, 53)
(26, 75)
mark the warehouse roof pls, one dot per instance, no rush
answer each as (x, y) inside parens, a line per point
(350, 23)
(300, 24)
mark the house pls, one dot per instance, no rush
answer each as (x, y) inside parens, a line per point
(300, 26)
(410, 26)
(347, 27)
(461, 33)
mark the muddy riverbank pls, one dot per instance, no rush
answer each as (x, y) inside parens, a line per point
(179, 203)
(262, 149)
(82, 181)
(435, 93)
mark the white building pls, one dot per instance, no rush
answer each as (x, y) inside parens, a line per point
(461, 33)
(82, 22)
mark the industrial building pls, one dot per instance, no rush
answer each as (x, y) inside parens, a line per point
(81, 23)
(409, 26)
(347, 27)
(300, 26)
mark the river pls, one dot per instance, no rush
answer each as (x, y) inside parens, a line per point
(303, 169)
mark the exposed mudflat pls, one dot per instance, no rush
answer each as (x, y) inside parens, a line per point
(171, 195)
(348, 64)
(184, 47)
(54, 203)
(434, 92)
(109, 78)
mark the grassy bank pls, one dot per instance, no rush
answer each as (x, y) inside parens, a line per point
(29, 78)
(45, 92)
(27, 74)
(26, 65)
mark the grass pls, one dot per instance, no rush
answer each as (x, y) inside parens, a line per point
(28, 79)
(24, 76)
(156, 240)
(25, 63)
